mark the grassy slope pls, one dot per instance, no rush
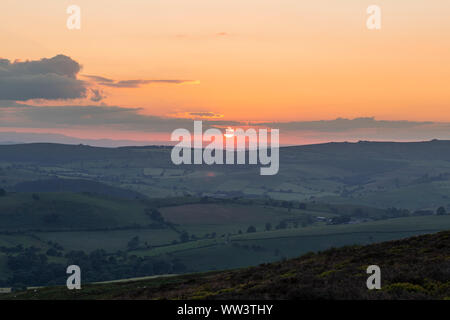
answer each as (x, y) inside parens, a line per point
(205, 254)
(407, 224)
(413, 268)
(216, 254)
(110, 241)
(19, 211)
(199, 219)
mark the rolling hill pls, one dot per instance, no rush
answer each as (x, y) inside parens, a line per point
(412, 268)
(129, 212)
(414, 176)
(62, 211)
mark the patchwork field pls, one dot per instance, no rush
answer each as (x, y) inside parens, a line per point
(262, 247)
(129, 212)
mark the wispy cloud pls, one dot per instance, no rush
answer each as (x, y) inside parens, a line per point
(133, 119)
(198, 115)
(55, 79)
(113, 117)
(98, 79)
(134, 83)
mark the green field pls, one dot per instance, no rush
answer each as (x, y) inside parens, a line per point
(415, 268)
(132, 209)
(66, 211)
(200, 219)
(425, 224)
(261, 247)
(110, 241)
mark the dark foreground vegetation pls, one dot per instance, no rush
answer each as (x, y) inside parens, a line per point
(413, 268)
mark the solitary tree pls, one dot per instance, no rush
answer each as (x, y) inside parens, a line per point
(251, 229)
(134, 243)
(155, 215)
(184, 237)
(441, 211)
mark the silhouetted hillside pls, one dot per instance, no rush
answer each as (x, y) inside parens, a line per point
(36, 152)
(413, 268)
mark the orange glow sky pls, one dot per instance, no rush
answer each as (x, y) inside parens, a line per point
(254, 60)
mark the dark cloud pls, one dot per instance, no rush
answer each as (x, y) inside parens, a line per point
(96, 95)
(60, 65)
(133, 119)
(10, 104)
(50, 79)
(131, 83)
(118, 118)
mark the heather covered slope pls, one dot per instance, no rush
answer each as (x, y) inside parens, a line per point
(413, 268)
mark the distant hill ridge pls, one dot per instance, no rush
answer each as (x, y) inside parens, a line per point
(53, 152)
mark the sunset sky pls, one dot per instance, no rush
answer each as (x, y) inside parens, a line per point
(232, 61)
